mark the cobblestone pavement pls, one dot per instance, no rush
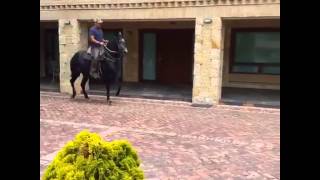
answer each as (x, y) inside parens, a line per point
(173, 139)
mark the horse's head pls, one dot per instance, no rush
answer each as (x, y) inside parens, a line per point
(116, 47)
(122, 46)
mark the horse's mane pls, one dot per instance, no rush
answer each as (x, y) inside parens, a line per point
(113, 44)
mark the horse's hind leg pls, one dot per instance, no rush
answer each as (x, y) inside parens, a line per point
(119, 87)
(108, 93)
(73, 79)
(83, 85)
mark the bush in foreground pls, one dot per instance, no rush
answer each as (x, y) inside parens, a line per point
(89, 157)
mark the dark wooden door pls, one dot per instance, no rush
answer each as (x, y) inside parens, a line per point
(175, 56)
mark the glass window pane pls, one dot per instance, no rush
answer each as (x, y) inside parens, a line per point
(271, 70)
(257, 47)
(149, 56)
(244, 47)
(245, 69)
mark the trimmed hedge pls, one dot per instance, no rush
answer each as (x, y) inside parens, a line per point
(89, 157)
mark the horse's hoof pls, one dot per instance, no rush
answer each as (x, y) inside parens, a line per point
(109, 103)
(86, 97)
(73, 96)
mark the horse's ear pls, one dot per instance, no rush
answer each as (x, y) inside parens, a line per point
(119, 34)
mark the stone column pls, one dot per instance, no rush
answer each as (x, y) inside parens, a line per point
(207, 62)
(131, 60)
(69, 43)
(84, 35)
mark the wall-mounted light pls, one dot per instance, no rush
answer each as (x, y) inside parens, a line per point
(207, 21)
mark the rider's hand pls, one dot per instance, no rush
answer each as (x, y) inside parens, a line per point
(101, 43)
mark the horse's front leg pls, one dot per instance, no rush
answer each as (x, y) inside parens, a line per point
(118, 80)
(119, 89)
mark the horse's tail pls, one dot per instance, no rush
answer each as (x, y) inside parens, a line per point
(74, 59)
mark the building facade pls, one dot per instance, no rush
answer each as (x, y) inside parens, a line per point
(208, 44)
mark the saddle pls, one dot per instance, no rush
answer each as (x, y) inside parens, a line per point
(87, 56)
(105, 57)
(95, 66)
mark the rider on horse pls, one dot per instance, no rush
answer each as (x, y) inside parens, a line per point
(96, 48)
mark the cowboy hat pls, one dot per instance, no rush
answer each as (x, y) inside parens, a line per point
(98, 21)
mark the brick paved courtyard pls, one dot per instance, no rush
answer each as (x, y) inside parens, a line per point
(173, 139)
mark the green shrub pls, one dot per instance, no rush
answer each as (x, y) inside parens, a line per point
(89, 157)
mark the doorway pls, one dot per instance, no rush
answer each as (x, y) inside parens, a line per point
(49, 56)
(166, 56)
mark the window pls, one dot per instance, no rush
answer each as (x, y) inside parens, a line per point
(255, 51)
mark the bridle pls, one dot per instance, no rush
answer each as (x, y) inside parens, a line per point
(109, 57)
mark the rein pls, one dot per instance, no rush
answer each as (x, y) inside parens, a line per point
(108, 57)
(115, 52)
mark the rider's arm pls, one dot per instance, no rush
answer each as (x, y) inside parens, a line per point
(95, 41)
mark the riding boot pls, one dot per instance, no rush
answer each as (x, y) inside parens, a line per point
(93, 69)
(98, 69)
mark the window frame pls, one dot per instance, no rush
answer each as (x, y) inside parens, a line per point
(232, 63)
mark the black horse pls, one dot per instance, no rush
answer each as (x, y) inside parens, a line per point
(110, 66)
